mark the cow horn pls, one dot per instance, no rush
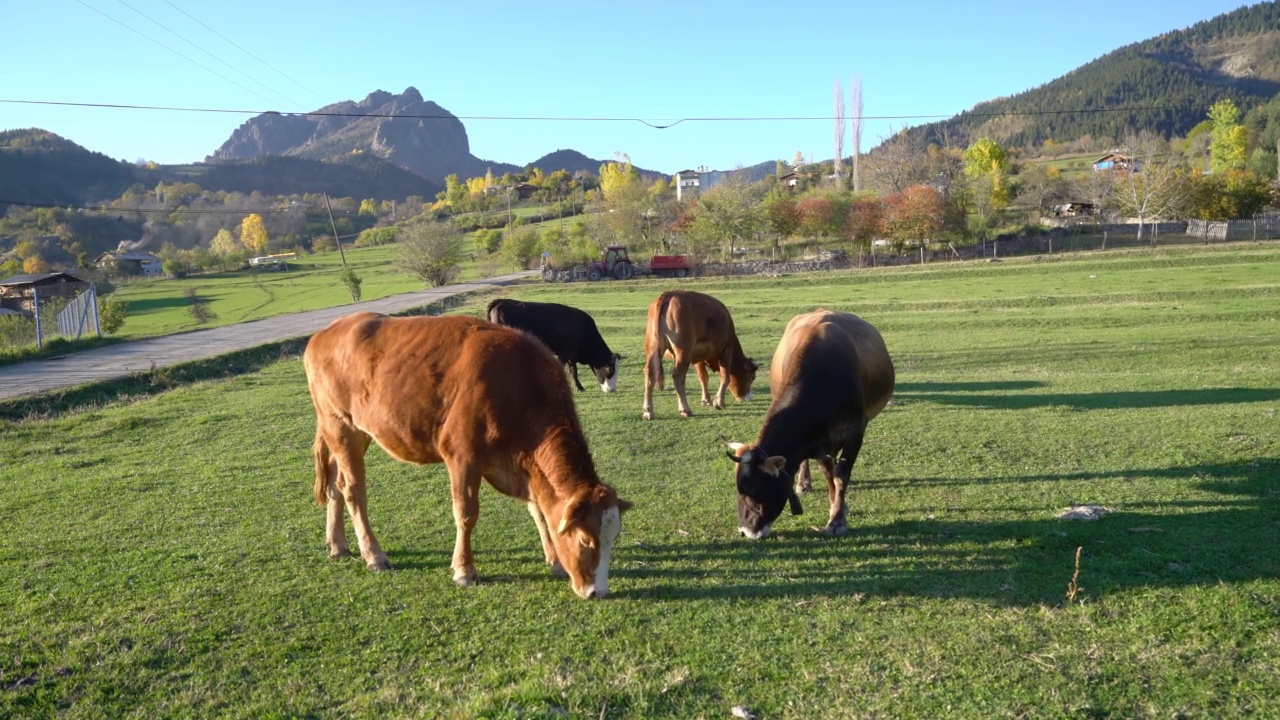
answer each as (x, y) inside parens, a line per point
(733, 457)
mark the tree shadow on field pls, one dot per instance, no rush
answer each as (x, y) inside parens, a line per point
(995, 385)
(1021, 562)
(1099, 400)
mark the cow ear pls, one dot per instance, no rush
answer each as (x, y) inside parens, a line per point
(774, 464)
(624, 505)
(572, 513)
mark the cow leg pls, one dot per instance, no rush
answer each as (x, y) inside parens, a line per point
(464, 484)
(679, 374)
(724, 385)
(335, 535)
(701, 368)
(548, 547)
(804, 481)
(838, 482)
(348, 454)
(573, 372)
(652, 376)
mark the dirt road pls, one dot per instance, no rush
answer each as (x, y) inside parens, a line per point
(124, 359)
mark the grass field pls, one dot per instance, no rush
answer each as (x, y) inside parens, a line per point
(161, 307)
(164, 557)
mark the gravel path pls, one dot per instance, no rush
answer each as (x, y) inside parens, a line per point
(115, 361)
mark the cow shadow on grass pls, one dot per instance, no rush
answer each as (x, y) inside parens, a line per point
(1232, 539)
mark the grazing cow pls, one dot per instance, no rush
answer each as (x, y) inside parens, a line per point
(694, 329)
(487, 401)
(569, 332)
(831, 374)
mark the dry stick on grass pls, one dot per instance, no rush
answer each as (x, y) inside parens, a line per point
(1072, 587)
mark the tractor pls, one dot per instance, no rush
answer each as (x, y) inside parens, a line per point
(614, 263)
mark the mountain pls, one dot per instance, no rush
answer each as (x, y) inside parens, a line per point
(40, 168)
(356, 176)
(405, 130)
(1164, 84)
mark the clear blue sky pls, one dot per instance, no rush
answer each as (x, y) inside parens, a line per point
(659, 61)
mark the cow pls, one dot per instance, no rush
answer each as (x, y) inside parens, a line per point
(569, 332)
(489, 402)
(694, 329)
(831, 375)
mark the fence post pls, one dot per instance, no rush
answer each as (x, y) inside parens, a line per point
(97, 321)
(35, 295)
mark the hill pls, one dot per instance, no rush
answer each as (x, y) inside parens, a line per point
(1164, 84)
(38, 167)
(573, 161)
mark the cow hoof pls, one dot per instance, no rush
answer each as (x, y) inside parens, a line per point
(339, 554)
(835, 530)
(686, 414)
(804, 487)
(464, 578)
(647, 415)
(378, 565)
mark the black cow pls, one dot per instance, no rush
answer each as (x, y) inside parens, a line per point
(831, 374)
(569, 332)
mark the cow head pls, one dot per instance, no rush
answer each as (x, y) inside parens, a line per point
(764, 489)
(607, 376)
(585, 537)
(742, 378)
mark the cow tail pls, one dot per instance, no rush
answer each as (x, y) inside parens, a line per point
(654, 341)
(320, 452)
(491, 312)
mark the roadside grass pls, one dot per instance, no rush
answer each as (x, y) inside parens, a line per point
(161, 307)
(167, 560)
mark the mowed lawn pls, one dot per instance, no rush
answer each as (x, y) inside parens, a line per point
(162, 306)
(164, 557)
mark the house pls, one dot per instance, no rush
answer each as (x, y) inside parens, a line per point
(130, 262)
(1073, 209)
(19, 292)
(1117, 161)
(691, 182)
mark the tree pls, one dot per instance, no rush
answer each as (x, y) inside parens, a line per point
(726, 213)
(431, 251)
(1228, 195)
(253, 234)
(918, 213)
(223, 243)
(1228, 140)
(781, 216)
(369, 207)
(865, 221)
(986, 163)
(855, 101)
(1156, 190)
(519, 246)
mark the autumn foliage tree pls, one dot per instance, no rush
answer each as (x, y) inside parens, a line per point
(253, 234)
(918, 213)
(865, 221)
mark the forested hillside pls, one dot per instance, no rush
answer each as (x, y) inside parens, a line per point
(1163, 84)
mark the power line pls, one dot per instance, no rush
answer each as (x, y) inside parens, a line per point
(243, 50)
(175, 52)
(550, 118)
(206, 52)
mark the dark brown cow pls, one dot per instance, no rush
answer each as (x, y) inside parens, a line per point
(570, 333)
(831, 375)
(487, 401)
(694, 329)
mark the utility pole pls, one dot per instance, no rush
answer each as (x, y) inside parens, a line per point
(334, 227)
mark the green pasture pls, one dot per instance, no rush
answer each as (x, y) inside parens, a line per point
(162, 306)
(164, 557)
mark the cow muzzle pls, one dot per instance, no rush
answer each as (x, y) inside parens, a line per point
(760, 534)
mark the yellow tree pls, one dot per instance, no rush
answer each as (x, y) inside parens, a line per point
(223, 243)
(253, 233)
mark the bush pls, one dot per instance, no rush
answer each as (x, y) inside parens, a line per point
(430, 251)
(111, 314)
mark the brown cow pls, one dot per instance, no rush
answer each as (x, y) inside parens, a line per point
(830, 376)
(694, 329)
(487, 401)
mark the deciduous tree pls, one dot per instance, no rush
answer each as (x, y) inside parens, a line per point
(253, 234)
(1228, 139)
(918, 213)
(431, 251)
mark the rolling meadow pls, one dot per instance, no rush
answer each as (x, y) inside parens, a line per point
(164, 556)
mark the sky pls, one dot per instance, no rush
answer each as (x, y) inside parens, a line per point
(529, 78)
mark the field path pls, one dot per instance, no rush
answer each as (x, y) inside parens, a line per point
(115, 361)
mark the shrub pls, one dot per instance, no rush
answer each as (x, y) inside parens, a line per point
(111, 314)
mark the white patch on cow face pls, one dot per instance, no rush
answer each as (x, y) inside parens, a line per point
(610, 526)
(753, 535)
(747, 397)
(610, 385)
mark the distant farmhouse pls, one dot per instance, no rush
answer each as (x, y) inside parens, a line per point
(691, 182)
(18, 293)
(1117, 161)
(131, 262)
